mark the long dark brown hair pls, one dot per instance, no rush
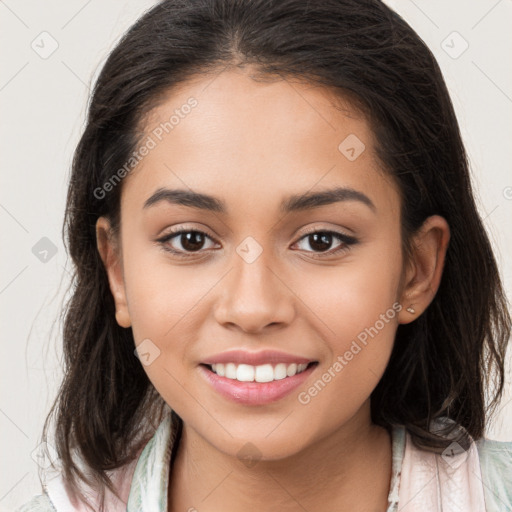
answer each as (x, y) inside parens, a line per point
(441, 364)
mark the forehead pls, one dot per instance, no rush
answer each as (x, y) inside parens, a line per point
(249, 140)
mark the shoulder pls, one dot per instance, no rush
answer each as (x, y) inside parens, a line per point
(39, 503)
(57, 497)
(496, 468)
(478, 477)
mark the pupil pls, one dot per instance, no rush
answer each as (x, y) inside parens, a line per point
(322, 241)
(192, 240)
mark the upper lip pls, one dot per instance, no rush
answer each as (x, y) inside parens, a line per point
(255, 358)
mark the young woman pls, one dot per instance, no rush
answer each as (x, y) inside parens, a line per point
(284, 296)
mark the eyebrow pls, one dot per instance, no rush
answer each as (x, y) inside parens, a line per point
(293, 203)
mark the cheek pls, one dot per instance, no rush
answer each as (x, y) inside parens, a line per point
(164, 301)
(356, 310)
(359, 325)
(162, 295)
(359, 339)
(352, 296)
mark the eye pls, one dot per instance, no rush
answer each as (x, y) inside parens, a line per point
(190, 240)
(184, 242)
(321, 240)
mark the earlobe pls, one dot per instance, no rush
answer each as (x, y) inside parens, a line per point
(425, 269)
(110, 255)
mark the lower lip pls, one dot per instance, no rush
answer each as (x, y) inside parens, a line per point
(255, 393)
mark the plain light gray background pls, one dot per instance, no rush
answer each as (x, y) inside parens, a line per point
(43, 101)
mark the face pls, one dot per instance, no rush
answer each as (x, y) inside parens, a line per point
(256, 268)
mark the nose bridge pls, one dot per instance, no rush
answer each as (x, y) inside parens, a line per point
(253, 268)
(254, 296)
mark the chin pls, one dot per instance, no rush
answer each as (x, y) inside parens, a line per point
(257, 444)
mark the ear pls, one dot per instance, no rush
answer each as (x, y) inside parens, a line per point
(111, 256)
(425, 268)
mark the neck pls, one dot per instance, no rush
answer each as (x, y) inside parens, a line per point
(350, 469)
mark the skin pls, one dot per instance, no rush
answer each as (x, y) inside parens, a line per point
(252, 144)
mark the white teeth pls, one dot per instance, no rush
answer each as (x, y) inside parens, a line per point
(280, 371)
(291, 370)
(245, 373)
(262, 373)
(230, 371)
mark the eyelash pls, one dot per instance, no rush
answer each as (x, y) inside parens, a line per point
(346, 240)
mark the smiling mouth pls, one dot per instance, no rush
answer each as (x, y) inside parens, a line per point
(261, 373)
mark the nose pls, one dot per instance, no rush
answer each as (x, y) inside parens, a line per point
(254, 297)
